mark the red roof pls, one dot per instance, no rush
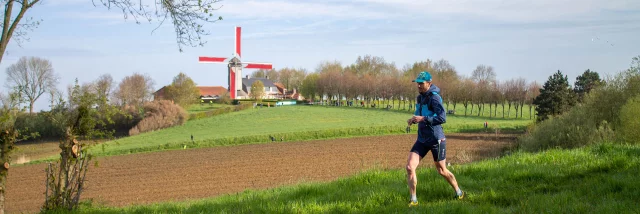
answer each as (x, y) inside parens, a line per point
(280, 87)
(211, 90)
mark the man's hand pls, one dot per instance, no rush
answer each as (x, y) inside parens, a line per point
(417, 119)
(410, 121)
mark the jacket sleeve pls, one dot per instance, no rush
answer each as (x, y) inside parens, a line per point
(416, 113)
(438, 109)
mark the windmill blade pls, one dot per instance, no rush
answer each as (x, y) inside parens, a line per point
(238, 32)
(207, 59)
(258, 65)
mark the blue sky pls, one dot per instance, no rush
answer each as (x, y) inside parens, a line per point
(529, 39)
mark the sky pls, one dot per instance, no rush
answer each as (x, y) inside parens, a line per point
(518, 38)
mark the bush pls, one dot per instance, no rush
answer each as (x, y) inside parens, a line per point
(573, 129)
(39, 123)
(158, 115)
(606, 111)
(629, 122)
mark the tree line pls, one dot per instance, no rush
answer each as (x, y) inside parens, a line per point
(374, 81)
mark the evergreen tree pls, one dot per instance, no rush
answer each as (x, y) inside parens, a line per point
(585, 83)
(555, 97)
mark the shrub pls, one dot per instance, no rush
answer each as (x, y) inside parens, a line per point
(605, 111)
(573, 129)
(158, 115)
(629, 122)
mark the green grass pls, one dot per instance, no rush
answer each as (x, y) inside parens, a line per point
(290, 122)
(205, 107)
(459, 109)
(597, 179)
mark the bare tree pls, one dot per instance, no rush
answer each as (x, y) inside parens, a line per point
(520, 95)
(32, 77)
(56, 98)
(187, 16)
(467, 87)
(11, 25)
(104, 86)
(134, 90)
(445, 75)
(533, 90)
(483, 75)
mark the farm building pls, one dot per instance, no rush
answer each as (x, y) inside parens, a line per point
(272, 91)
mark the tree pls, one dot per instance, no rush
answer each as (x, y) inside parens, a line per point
(11, 25)
(260, 73)
(555, 97)
(32, 77)
(257, 90)
(187, 16)
(81, 122)
(134, 90)
(309, 88)
(585, 83)
(291, 78)
(182, 91)
(9, 136)
(483, 76)
(104, 86)
(532, 92)
(225, 97)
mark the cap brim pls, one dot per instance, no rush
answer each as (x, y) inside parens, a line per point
(419, 81)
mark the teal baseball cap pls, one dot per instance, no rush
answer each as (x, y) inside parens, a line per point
(423, 77)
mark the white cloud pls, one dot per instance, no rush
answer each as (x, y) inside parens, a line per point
(511, 10)
(294, 9)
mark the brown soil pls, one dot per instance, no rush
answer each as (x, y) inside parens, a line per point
(200, 173)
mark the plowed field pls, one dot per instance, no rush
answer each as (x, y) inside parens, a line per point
(200, 173)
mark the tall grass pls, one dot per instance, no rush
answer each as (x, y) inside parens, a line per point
(596, 179)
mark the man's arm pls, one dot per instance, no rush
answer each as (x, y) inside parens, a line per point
(416, 112)
(438, 109)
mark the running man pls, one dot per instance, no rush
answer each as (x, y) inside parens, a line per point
(429, 116)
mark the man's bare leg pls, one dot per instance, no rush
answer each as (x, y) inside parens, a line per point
(412, 179)
(442, 170)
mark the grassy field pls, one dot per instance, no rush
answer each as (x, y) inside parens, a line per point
(205, 107)
(596, 179)
(459, 109)
(289, 122)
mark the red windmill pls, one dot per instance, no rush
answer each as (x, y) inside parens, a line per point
(234, 65)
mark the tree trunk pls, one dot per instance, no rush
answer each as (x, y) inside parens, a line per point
(530, 107)
(3, 184)
(503, 109)
(490, 109)
(509, 110)
(31, 106)
(454, 106)
(471, 113)
(465, 104)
